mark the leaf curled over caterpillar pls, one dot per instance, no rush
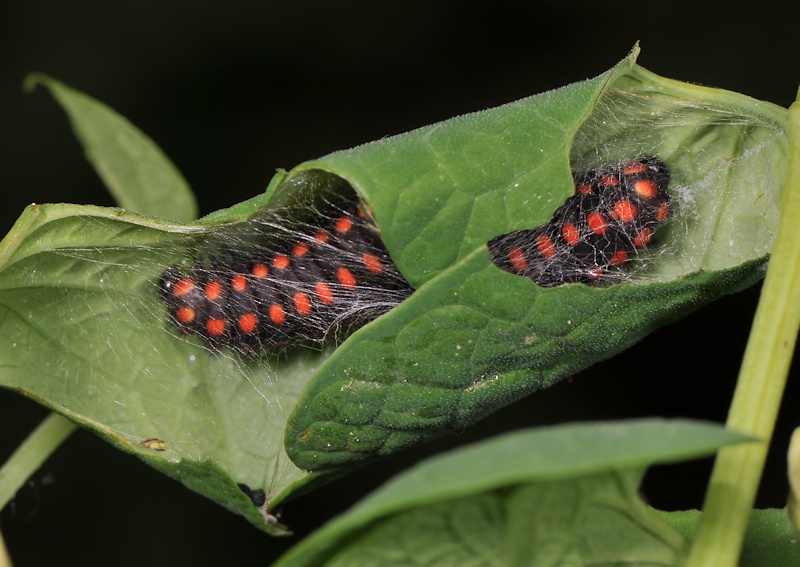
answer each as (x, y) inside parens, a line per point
(333, 270)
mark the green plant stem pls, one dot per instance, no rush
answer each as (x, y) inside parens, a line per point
(29, 456)
(737, 471)
(794, 479)
(5, 560)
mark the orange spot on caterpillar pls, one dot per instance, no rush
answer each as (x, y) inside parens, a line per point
(346, 278)
(643, 238)
(634, 168)
(619, 258)
(239, 283)
(663, 212)
(545, 246)
(517, 258)
(248, 323)
(645, 188)
(597, 223)
(300, 249)
(215, 327)
(324, 293)
(182, 287)
(625, 211)
(260, 271)
(185, 315)
(321, 238)
(276, 314)
(213, 291)
(372, 263)
(571, 234)
(610, 181)
(343, 225)
(281, 261)
(302, 303)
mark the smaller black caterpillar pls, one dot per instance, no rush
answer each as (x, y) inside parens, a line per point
(610, 218)
(332, 271)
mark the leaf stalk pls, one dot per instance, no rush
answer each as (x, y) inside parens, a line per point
(759, 390)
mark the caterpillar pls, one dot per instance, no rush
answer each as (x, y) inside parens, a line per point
(330, 272)
(613, 214)
(333, 271)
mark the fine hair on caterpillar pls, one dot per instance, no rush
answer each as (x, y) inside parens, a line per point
(300, 276)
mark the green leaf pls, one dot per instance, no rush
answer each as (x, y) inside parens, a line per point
(771, 539)
(552, 496)
(85, 333)
(137, 173)
(473, 338)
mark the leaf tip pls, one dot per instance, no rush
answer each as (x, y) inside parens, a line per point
(32, 80)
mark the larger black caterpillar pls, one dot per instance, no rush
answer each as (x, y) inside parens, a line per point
(334, 270)
(330, 272)
(613, 215)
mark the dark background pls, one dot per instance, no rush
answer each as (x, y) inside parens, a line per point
(232, 93)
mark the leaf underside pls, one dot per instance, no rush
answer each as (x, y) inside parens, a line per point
(552, 496)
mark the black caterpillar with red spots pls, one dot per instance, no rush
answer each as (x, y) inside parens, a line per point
(611, 217)
(332, 271)
(328, 273)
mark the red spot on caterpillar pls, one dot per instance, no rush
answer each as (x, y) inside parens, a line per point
(238, 283)
(597, 223)
(300, 249)
(324, 293)
(625, 211)
(215, 327)
(517, 258)
(281, 261)
(643, 238)
(260, 271)
(213, 290)
(248, 323)
(619, 258)
(343, 225)
(545, 246)
(645, 188)
(185, 315)
(634, 168)
(610, 180)
(571, 234)
(182, 287)
(663, 212)
(584, 189)
(302, 303)
(276, 314)
(346, 278)
(595, 274)
(321, 238)
(372, 263)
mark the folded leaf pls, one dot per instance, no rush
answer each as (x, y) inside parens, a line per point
(86, 334)
(473, 338)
